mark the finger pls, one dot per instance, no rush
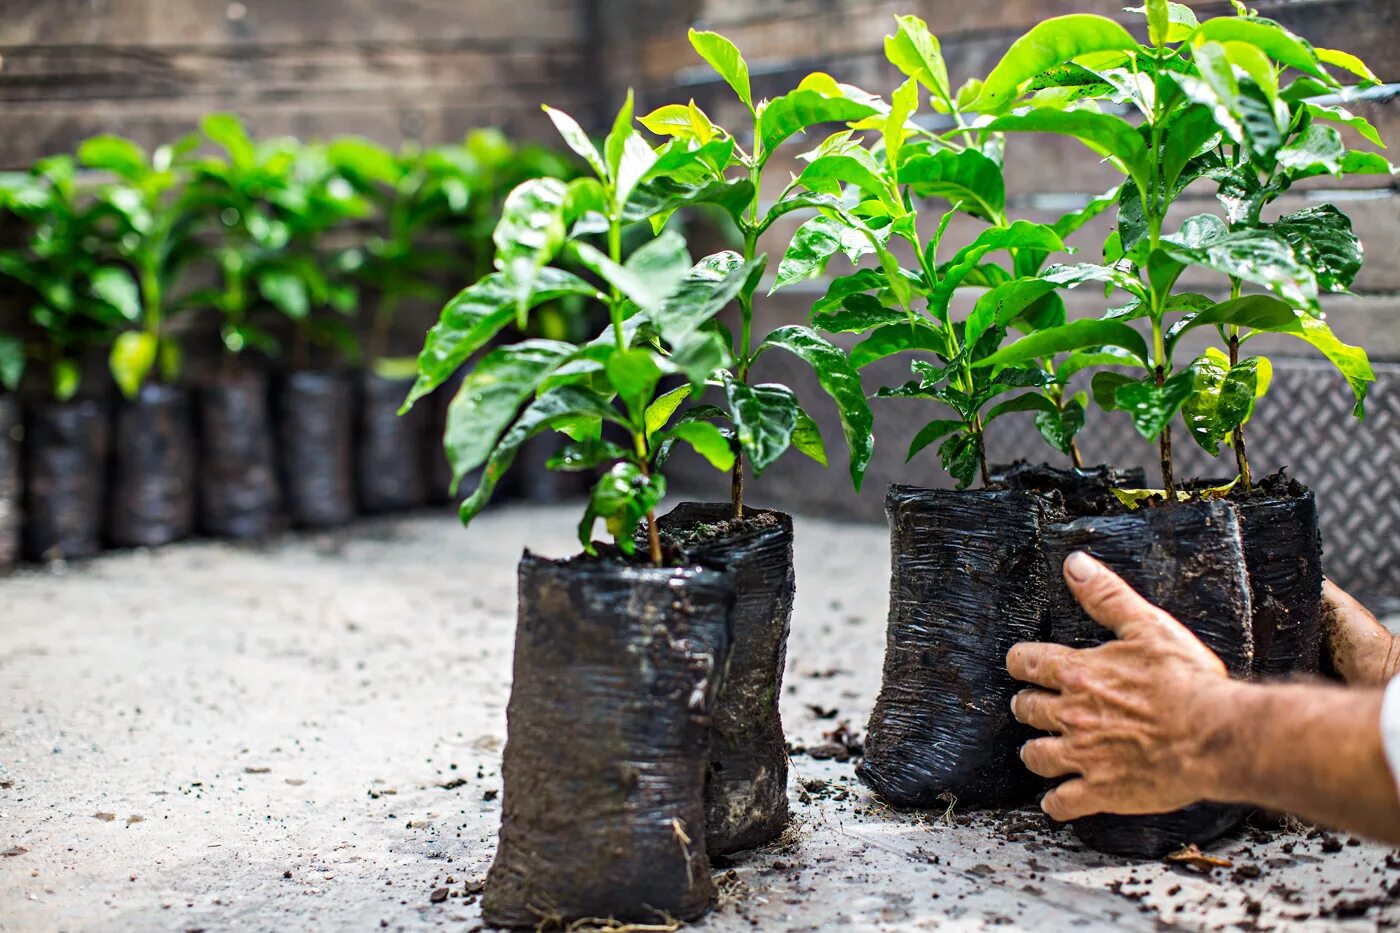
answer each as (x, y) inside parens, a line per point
(1071, 800)
(1037, 709)
(1108, 600)
(1343, 607)
(1049, 758)
(1037, 663)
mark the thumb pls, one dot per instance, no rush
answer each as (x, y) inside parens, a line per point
(1109, 601)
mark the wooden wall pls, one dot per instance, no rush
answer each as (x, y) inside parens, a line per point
(388, 69)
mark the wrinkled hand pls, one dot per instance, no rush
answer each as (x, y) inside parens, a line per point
(1124, 714)
(1364, 653)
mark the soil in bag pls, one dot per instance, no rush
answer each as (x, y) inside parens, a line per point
(316, 427)
(9, 481)
(615, 675)
(967, 583)
(390, 472)
(746, 802)
(151, 500)
(1083, 490)
(239, 495)
(65, 479)
(1187, 559)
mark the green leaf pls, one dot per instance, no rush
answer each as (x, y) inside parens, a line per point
(578, 140)
(1091, 357)
(838, 377)
(1104, 387)
(634, 374)
(764, 417)
(1050, 43)
(799, 110)
(1223, 398)
(888, 339)
(1323, 240)
(133, 354)
(114, 154)
(286, 292)
(1267, 36)
(651, 275)
(1076, 335)
(1350, 361)
(558, 409)
(1258, 256)
(859, 314)
(723, 56)
(1344, 117)
(1347, 62)
(660, 411)
(67, 377)
(707, 289)
(915, 51)
(967, 178)
(117, 288)
(708, 441)
(1111, 137)
(1031, 401)
(12, 361)
(476, 315)
(814, 243)
(1167, 23)
(530, 233)
(1059, 427)
(999, 306)
(1253, 312)
(959, 455)
(1152, 406)
(227, 131)
(578, 456)
(929, 434)
(828, 173)
(657, 199)
(490, 397)
(1318, 150)
(807, 438)
(622, 498)
(366, 160)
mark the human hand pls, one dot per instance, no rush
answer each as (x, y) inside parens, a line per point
(1131, 717)
(1362, 650)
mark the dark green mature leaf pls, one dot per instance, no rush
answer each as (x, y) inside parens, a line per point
(862, 280)
(12, 360)
(1076, 335)
(917, 335)
(1223, 398)
(764, 418)
(860, 313)
(1323, 240)
(916, 52)
(794, 112)
(1104, 387)
(1267, 36)
(557, 409)
(1258, 256)
(1021, 234)
(967, 178)
(826, 175)
(1092, 357)
(622, 497)
(838, 377)
(1193, 132)
(708, 287)
(1247, 113)
(999, 306)
(930, 433)
(1254, 312)
(959, 455)
(1111, 137)
(798, 201)
(477, 314)
(589, 454)
(490, 397)
(651, 275)
(1060, 426)
(660, 197)
(812, 246)
(723, 56)
(633, 374)
(1032, 401)
(1050, 43)
(1152, 406)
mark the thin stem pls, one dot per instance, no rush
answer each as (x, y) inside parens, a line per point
(1241, 453)
(1074, 456)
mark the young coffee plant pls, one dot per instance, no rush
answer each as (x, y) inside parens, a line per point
(867, 197)
(143, 215)
(272, 203)
(767, 419)
(1209, 102)
(660, 312)
(76, 300)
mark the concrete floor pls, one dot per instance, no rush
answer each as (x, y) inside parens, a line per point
(307, 736)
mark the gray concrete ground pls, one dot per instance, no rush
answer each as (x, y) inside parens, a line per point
(307, 736)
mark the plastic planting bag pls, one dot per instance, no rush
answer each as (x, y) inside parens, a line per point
(239, 495)
(152, 496)
(65, 479)
(390, 472)
(316, 426)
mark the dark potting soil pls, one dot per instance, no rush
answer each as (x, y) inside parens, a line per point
(615, 675)
(968, 581)
(1082, 491)
(390, 472)
(10, 512)
(65, 479)
(1189, 560)
(746, 802)
(151, 500)
(239, 495)
(316, 425)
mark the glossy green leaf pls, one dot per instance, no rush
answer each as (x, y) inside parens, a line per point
(723, 56)
(1076, 335)
(1060, 426)
(1029, 402)
(659, 412)
(827, 174)
(1267, 36)
(839, 378)
(133, 354)
(1253, 312)
(1050, 43)
(658, 198)
(814, 243)
(589, 454)
(1319, 150)
(1092, 358)
(797, 111)
(1258, 256)
(634, 374)
(116, 287)
(622, 498)
(577, 140)
(1104, 388)
(859, 314)
(1323, 240)
(707, 440)
(707, 289)
(491, 396)
(807, 438)
(1111, 137)
(764, 417)
(959, 456)
(931, 433)
(1344, 117)
(999, 306)
(967, 178)
(889, 339)
(651, 275)
(476, 315)
(1350, 361)
(1347, 62)
(1152, 406)
(915, 51)
(1167, 22)
(530, 232)
(1222, 400)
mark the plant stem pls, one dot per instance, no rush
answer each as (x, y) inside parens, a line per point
(379, 332)
(1074, 456)
(1241, 453)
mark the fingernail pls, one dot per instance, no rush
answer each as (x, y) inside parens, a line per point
(1080, 566)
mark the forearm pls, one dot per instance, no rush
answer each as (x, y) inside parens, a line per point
(1310, 750)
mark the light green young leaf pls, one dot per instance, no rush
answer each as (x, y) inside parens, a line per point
(659, 412)
(915, 51)
(796, 111)
(133, 354)
(1111, 137)
(707, 440)
(652, 274)
(1349, 63)
(1174, 23)
(807, 438)
(114, 154)
(1267, 36)
(1076, 335)
(578, 141)
(1350, 361)
(966, 178)
(723, 56)
(634, 374)
(1052, 42)
(1344, 117)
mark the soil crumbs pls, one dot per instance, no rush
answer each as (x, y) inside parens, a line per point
(321, 751)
